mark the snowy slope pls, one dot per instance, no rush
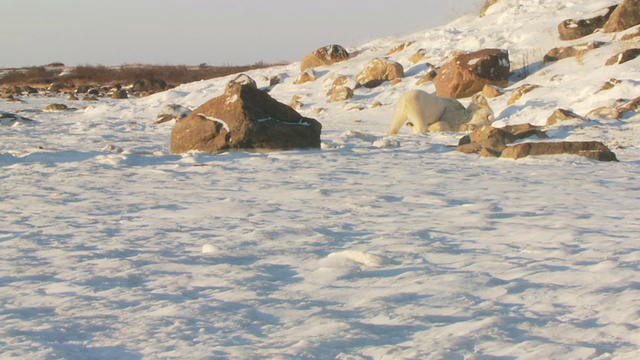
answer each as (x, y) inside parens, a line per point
(375, 247)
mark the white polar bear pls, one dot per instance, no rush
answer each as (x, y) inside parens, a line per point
(428, 113)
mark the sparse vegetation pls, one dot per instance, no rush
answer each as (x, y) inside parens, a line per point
(527, 63)
(104, 75)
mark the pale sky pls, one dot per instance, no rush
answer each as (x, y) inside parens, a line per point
(191, 32)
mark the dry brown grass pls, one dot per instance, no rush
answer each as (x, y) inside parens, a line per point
(125, 74)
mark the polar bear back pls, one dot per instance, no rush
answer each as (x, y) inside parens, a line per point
(423, 109)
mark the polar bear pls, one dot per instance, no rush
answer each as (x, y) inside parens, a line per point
(428, 113)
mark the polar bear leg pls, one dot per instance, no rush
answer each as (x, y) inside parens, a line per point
(410, 107)
(399, 118)
(440, 126)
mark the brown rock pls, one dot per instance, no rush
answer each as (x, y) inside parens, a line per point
(630, 36)
(242, 79)
(149, 86)
(55, 107)
(119, 94)
(591, 149)
(12, 99)
(9, 91)
(486, 6)
(400, 47)
(629, 106)
(244, 118)
(171, 112)
(491, 92)
(378, 71)
(520, 92)
(604, 111)
(295, 102)
(343, 81)
(488, 137)
(610, 84)
(306, 76)
(418, 56)
(467, 74)
(10, 119)
(431, 74)
(523, 131)
(565, 52)
(339, 94)
(561, 115)
(623, 57)
(574, 29)
(625, 16)
(327, 55)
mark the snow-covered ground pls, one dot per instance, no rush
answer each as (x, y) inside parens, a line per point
(374, 247)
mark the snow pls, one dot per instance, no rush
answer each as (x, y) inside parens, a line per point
(225, 126)
(373, 247)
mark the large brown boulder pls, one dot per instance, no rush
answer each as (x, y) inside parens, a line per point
(327, 55)
(591, 149)
(577, 28)
(625, 16)
(244, 118)
(378, 71)
(467, 74)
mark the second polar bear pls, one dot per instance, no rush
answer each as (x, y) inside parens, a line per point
(428, 113)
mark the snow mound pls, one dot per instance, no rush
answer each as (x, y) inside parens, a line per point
(358, 257)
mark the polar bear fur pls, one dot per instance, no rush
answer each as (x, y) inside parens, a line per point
(429, 113)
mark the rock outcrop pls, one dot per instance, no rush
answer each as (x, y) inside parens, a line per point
(577, 28)
(399, 48)
(565, 52)
(590, 149)
(625, 16)
(495, 142)
(244, 118)
(467, 74)
(327, 55)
